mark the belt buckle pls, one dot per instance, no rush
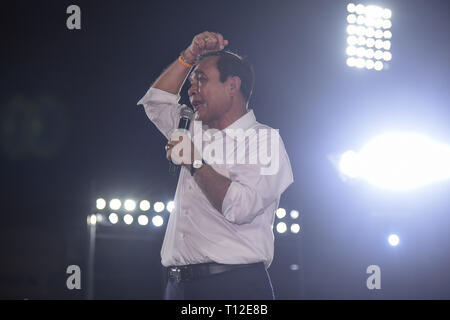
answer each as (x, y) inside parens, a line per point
(181, 274)
(176, 273)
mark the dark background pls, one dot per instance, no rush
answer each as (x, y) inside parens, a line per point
(71, 132)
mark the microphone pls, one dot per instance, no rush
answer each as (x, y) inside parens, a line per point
(186, 115)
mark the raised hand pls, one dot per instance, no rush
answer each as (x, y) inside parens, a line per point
(203, 43)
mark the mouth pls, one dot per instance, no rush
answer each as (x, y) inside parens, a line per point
(198, 104)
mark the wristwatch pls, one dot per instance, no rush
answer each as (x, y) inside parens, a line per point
(196, 165)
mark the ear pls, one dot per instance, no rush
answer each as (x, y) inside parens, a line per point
(234, 85)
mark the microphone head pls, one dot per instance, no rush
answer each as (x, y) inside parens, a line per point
(186, 112)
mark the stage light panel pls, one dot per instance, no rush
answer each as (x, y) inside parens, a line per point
(368, 27)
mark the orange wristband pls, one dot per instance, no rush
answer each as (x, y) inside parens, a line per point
(184, 63)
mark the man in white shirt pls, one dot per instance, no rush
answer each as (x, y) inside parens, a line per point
(219, 240)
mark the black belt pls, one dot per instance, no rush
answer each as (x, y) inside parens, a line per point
(195, 271)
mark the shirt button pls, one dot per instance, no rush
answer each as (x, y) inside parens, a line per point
(190, 188)
(182, 235)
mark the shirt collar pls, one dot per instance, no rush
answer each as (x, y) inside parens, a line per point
(245, 122)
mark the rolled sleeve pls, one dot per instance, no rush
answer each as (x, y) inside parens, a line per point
(241, 204)
(162, 109)
(251, 192)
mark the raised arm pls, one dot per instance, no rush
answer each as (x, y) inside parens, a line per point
(173, 78)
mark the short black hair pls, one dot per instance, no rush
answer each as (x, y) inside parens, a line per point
(231, 64)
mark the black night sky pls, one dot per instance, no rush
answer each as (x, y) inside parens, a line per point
(71, 132)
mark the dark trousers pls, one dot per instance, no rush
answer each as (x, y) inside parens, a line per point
(248, 283)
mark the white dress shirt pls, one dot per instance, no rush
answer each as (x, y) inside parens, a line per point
(243, 232)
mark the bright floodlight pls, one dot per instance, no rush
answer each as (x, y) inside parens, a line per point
(360, 63)
(144, 205)
(379, 44)
(100, 203)
(369, 54)
(360, 52)
(351, 51)
(370, 64)
(352, 40)
(294, 267)
(378, 66)
(157, 221)
(368, 27)
(281, 227)
(370, 43)
(351, 62)
(115, 204)
(349, 164)
(128, 218)
(170, 205)
(129, 205)
(158, 206)
(393, 240)
(378, 55)
(360, 20)
(295, 228)
(370, 32)
(351, 18)
(360, 9)
(92, 220)
(113, 218)
(374, 11)
(143, 220)
(281, 213)
(351, 8)
(398, 161)
(387, 56)
(378, 34)
(294, 214)
(352, 29)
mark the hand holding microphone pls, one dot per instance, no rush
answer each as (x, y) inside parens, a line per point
(186, 115)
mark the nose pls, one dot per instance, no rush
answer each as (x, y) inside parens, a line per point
(193, 90)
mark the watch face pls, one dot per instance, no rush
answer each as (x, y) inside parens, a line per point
(197, 164)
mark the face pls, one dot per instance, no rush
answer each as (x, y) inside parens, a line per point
(207, 94)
